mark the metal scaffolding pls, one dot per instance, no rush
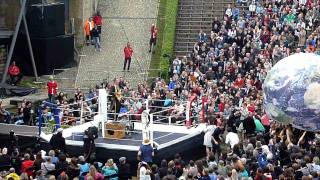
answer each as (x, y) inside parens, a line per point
(21, 17)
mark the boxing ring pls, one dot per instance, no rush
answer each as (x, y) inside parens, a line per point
(171, 128)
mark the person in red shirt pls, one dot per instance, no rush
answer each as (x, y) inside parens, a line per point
(221, 106)
(52, 89)
(265, 35)
(14, 73)
(239, 82)
(251, 107)
(153, 38)
(97, 19)
(26, 165)
(127, 56)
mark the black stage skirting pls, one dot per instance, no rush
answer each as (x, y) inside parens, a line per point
(49, 53)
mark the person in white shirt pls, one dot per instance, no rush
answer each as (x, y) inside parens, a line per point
(232, 33)
(231, 138)
(252, 7)
(207, 140)
(302, 2)
(229, 11)
(144, 171)
(177, 64)
(177, 112)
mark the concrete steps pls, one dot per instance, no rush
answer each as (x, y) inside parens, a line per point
(193, 31)
(194, 15)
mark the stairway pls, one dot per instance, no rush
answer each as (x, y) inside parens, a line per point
(194, 15)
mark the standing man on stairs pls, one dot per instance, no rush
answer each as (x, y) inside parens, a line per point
(153, 38)
(127, 56)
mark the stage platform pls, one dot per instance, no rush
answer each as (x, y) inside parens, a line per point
(134, 139)
(163, 136)
(168, 140)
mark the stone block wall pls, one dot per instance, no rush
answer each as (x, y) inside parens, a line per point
(9, 11)
(80, 11)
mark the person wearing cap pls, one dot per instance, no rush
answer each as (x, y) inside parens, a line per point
(146, 152)
(124, 169)
(13, 174)
(52, 89)
(84, 167)
(58, 142)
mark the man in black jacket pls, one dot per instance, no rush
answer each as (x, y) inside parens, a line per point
(58, 142)
(27, 113)
(96, 38)
(249, 126)
(124, 169)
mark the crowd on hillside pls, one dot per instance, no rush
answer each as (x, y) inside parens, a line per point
(225, 72)
(227, 69)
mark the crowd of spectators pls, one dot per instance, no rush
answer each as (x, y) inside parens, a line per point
(55, 165)
(225, 71)
(64, 106)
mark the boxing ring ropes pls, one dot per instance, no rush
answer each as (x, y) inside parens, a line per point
(179, 115)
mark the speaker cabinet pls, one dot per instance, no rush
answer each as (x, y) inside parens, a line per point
(46, 20)
(49, 53)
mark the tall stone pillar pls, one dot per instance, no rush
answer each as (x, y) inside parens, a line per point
(80, 11)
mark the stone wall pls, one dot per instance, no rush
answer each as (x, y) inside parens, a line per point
(9, 11)
(80, 11)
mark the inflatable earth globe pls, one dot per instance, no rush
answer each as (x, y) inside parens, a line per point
(292, 91)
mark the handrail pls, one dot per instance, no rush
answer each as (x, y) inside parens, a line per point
(61, 69)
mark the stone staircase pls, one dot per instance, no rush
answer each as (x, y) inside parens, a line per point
(194, 15)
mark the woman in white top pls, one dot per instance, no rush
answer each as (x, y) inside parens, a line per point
(144, 171)
(207, 140)
(228, 11)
